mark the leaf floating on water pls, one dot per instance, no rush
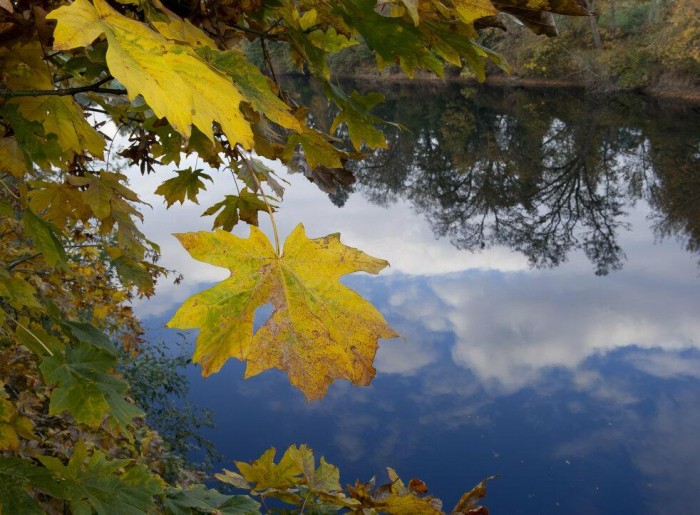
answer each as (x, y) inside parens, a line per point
(418, 486)
(319, 331)
(469, 502)
(395, 497)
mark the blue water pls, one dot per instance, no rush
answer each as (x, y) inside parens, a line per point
(612, 432)
(581, 392)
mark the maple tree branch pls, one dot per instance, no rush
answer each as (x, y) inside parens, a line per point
(21, 260)
(260, 34)
(268, 60)
(8, 93)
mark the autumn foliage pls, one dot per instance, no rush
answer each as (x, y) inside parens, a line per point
(87, 86)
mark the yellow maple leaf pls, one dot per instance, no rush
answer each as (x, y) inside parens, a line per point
(11, 158)
(471, 10)
(24, 68)
(170, 76)
(319, 331)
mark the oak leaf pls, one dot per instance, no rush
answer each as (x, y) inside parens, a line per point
(319, 330)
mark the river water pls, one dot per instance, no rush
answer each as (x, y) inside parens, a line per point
(544, 252)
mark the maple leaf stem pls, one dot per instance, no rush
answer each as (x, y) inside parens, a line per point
(8, 189)
(264, 197)
(43, 345)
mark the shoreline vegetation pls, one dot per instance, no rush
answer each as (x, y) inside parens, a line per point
(646, 46)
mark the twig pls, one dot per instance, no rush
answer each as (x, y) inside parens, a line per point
(255, 32)
(8, 93)
(22, 260)
(268, 60)
(267, 204)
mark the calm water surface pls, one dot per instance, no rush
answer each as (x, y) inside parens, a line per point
(545, 279)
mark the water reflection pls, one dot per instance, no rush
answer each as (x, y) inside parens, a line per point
(582, 407)
(583, 392)
(543, 173)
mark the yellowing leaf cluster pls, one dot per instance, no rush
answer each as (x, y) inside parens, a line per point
(170, 77)
(23, 68)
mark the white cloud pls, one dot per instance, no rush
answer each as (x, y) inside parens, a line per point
(396, 234)
(404, 357)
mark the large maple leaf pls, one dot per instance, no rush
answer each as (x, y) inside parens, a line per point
(319, 331)
(172, 79)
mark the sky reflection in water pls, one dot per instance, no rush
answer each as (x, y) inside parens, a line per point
(581, 391)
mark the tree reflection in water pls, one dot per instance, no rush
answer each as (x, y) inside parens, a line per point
(543, 172)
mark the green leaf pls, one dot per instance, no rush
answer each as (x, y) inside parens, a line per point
(263, 173)
(43, 234)
(42, 150)
(85, 388)
(6, 209)
(89, 334)
(255, 87)
(64, 118)
(132, 271)
(238, 207)
(12, 426)
(12, 159)
(186, 184)
(106, 486)
(325, 478)
(315, 147)
(199, 499)
(60, 116)
(18, 292)
(330, 40)
(393, 39)
(106, 196)
(354, 112)
(17, 478)
(38, 340)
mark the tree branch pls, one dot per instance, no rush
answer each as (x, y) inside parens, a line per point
(264, 35)
(8, 93)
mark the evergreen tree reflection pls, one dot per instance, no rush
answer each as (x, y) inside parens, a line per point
(544, 173)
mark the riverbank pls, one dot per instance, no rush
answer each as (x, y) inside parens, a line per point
(678, 89)
(651, 47)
